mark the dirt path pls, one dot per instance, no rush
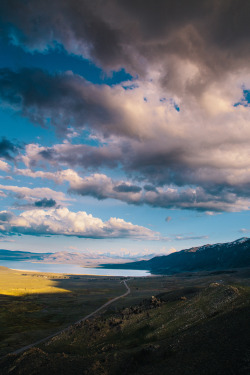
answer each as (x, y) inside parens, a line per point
(79, 321)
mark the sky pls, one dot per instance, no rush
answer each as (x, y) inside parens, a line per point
(125, 125)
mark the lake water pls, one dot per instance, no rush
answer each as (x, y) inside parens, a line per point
(70, 269)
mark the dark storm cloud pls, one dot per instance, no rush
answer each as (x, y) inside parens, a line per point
(64, 99)
(84, 155)
(76, 24)
(45, 203)
(124, 188)
(149, 188)
(213, 34)
(8, 149)
(5, 216)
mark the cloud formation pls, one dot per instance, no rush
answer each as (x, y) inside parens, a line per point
(197, 35)
(46, 203)
(180, 130)
(101, 186)
(61, 221)
(8, 149)
(205, 144)
(32, 194)
(4, 166)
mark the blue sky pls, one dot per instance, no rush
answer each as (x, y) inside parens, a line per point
(122, 130)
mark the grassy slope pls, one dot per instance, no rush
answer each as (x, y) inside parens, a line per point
(34, 305)
(198, 324)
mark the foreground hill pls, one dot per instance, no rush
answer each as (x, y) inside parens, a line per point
(223, 256)
(199, 327)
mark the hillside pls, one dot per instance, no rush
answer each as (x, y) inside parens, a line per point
(223, 256)
(198, 326)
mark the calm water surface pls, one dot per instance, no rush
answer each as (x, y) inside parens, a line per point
(70, 269)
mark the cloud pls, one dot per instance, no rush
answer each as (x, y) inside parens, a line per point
(126, 188)
(31, 195)
(101, 186)
(6, 240)
(38, 95)
(58, 176)
(197, 36)
(152, 138)
(4, 166)
(158, 143)
(61, 221)
(5, 216)
(72, 155)
(179, 131)
(8, 149)
(185, 238)
(172, 250)
(244, 230)
(46, 203)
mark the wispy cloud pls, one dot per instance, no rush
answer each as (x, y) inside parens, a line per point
(244, 230)
(185, 238)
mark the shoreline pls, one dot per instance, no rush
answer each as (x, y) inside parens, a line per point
(61, 269)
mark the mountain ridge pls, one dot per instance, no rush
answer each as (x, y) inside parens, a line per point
(235, 254)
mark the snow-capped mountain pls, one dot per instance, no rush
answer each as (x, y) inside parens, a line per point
(218, 256)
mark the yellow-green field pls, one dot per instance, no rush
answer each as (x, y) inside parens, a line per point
(18, 283)
(34, 305)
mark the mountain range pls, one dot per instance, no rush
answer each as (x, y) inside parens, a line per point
(64, 257)
(219, 256)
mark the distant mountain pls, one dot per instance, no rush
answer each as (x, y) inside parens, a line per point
(219, 256)
(64, 257)
(58, 257)
(22, 255)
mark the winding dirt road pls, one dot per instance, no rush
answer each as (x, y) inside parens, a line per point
(79, 321)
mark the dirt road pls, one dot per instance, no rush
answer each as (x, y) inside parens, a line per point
(79, 321)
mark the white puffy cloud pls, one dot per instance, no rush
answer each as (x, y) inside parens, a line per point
(61, 221)
(4, 166)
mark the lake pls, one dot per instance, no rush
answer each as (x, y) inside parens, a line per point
(71, 269)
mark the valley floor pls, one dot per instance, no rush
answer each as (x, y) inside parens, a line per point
(185, 324)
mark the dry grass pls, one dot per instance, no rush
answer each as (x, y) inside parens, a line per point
(33, 305)
(19, 283)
